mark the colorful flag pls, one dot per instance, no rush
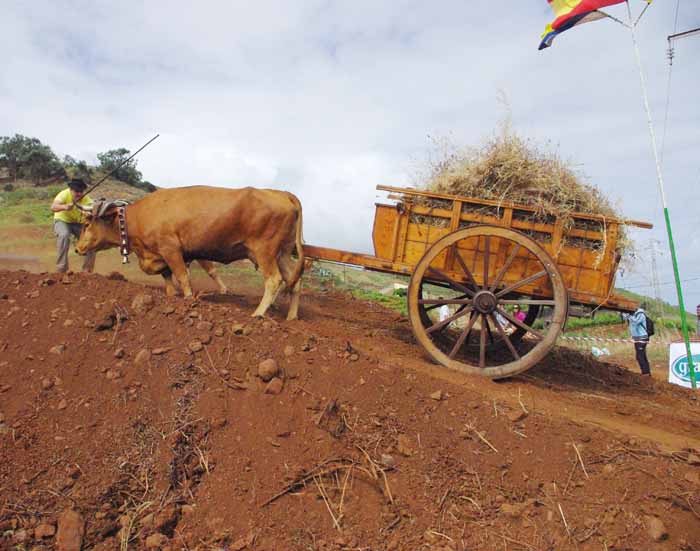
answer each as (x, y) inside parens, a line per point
(569, 13)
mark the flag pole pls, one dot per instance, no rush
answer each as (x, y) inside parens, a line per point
(659, 176)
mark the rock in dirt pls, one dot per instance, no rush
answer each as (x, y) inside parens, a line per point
(71, 529)
(195, 345)
(517, 415)
(242, 543)
(404, 445)
(275, 386)
(106, 323)
(655, 528)
(156, 541)
(44, 530)
(205, 326)
(161, 351)
(46, 383)
(515, 510)
(142, 303)
(116, 276)
(437, 395)
(58, 349)
(693, 459)
(388, 460)
(113, 374)
(63, 404)
(240, 329)
(167, 310)
(288, 351)
(143, 357)
(267, 369)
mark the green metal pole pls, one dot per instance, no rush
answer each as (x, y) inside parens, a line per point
(679, 291)
(681, 306)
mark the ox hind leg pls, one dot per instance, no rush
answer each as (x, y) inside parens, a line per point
(273, 283)
(286, 265)
(208, 267)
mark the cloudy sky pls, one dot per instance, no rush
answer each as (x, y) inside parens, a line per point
(328, 99)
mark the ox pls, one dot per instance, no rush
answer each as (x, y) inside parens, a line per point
(169, 228)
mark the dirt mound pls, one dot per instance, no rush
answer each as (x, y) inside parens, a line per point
(129, 420)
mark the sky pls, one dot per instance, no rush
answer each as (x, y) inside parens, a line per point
(329, 99)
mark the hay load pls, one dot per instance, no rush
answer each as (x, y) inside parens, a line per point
(511, 169)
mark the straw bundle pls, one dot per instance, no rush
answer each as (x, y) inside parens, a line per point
(513, 169)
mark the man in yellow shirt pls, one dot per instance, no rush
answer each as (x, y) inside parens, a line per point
(68, 220)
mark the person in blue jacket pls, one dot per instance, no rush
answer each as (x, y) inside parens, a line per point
(638, 332)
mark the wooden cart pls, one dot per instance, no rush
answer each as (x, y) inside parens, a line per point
(481, 258)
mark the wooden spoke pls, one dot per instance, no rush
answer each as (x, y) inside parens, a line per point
(463, 337)
(505, 337)
(462, 264)
(487, 252)
(447, 321)
(505, 267)
(525, 281)
(438, 303)
(451, 281)
(482, 343)
(528, 301)
(520, 324)
(488, 329)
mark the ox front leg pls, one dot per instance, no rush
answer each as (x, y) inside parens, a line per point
(170, 289)
(211, 270)
(273, 284)
(177, 266)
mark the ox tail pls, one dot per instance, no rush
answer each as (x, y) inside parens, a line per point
(299, 268)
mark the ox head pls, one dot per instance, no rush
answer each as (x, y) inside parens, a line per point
(99, 230)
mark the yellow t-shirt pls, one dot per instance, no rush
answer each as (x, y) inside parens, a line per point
(74, 215)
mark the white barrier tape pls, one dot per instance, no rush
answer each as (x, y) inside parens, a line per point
(606, 339)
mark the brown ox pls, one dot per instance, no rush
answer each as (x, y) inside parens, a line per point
(171, 227)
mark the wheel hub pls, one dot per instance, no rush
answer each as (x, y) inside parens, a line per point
(485, 302)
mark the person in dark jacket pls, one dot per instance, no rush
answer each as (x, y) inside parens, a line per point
(640, 336)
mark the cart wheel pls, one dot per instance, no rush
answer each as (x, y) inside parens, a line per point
(479, 272)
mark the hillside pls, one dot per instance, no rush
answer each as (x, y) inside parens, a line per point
(158, 432)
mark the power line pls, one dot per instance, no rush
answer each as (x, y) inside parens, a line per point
(662, 284)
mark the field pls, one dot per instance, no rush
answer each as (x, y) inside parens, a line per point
(130, 420)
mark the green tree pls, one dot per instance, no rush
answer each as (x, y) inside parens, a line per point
(42, 164)
(28, 157)
(111, 159)
(13, 153)
(77, 169)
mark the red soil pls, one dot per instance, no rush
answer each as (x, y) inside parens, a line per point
(367, 446)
